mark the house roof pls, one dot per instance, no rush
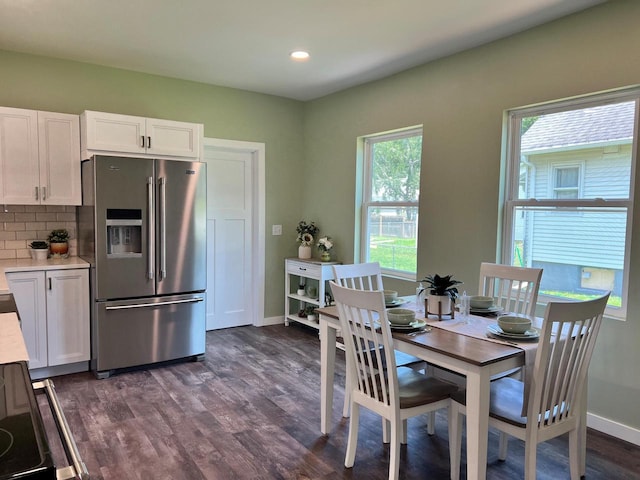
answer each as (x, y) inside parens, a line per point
(594, 125)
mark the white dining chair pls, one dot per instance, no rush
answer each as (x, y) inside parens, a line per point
(394, 393)
(555, 393)
(368, 276)
(515, 289)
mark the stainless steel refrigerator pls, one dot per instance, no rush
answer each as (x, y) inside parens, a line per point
(142, 227)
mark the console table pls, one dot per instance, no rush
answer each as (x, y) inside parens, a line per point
(302, 270)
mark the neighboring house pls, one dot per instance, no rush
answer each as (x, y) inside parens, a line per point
(582, 154)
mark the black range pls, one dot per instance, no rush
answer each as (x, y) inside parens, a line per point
(24, 449)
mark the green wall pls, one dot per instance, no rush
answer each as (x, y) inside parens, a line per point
(41, 83)
(460, 101)
(311, 149)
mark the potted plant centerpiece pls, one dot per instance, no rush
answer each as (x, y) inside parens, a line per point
(39, 250)
(441, 294)
(306, 232)
(325, 245)
(59, 242)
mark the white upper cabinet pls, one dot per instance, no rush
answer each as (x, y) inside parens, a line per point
(110, 133)
(39, 158)
(20, 179)
(59, 151)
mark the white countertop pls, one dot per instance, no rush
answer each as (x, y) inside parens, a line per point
(12, 347)
(28, 265)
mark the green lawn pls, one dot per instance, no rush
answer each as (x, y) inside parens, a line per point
(393, 252)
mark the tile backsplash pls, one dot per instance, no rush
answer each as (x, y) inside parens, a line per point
(21, 224)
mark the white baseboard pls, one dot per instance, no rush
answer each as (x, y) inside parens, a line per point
(615, 429)
(271, 321)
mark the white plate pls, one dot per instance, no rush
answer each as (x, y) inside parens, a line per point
(396, 303)
(494, 309)
(415, 325)
(530, 334)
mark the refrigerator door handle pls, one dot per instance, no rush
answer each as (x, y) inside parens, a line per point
(163, 228)
(151, 236)
(157, 304)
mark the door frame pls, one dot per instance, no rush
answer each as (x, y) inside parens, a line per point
(257, 151)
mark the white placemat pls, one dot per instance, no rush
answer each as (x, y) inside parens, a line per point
(477, 328)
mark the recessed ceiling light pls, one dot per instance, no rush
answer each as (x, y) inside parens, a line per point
(299, 55)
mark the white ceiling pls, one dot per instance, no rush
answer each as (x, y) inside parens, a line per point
(245, 43)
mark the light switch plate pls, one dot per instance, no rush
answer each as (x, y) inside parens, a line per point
(276, 229)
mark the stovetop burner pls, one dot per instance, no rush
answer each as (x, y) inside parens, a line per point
(24, 451)
(6, 442)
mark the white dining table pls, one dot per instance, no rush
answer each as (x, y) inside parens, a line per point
(475, 358)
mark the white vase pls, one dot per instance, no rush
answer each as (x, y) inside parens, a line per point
(39, 253)
(304, 251)
(438, 304)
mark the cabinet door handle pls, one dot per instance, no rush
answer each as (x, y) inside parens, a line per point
(49, 284)
(44, 193)
(142, 141)
(148, 142)
(36, 193)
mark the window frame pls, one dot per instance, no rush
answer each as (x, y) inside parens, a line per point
(511, 182)
(366, 203)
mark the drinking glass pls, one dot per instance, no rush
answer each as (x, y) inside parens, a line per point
(465, 307)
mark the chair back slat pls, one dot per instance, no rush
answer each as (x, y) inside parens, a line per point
(566, 344)
(515, 289)
(359, 276)
(363, 320)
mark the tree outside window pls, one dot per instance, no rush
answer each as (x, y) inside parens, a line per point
(390, 202)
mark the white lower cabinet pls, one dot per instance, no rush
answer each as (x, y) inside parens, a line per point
(54, 312)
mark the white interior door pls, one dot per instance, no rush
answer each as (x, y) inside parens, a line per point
(231, 234)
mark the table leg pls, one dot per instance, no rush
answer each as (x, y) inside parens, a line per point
(327, 372)
(477, 424)
(582, 432)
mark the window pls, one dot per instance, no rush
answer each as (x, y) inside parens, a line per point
(569, 195)
(391, 188)
(566, 181)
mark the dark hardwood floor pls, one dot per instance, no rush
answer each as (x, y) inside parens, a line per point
(251, 411)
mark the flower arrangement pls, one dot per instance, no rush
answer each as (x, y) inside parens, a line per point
(306, 232)
(325, 244)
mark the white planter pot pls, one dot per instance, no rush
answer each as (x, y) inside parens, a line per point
(439, 305)
(304, 251)
(39, 253)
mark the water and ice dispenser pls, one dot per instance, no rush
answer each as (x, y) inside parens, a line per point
(124, 233)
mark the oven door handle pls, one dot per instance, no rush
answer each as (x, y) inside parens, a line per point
(77, 469)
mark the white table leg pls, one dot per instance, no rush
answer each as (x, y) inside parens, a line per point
(477, 424)
(327, 372)
(582, 433)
